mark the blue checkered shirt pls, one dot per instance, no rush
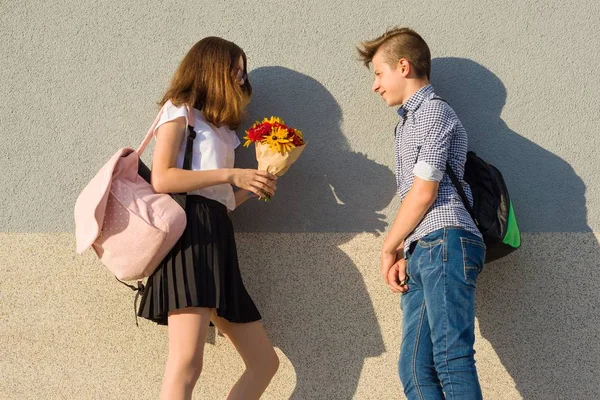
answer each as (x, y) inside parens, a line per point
(428, 135)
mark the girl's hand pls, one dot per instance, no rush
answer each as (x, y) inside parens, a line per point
(255, 181)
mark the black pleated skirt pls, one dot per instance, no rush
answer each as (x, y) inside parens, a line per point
(201, 270)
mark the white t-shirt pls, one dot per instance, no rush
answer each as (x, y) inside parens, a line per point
(213, 149)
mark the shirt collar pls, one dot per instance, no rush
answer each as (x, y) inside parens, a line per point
(415, 100)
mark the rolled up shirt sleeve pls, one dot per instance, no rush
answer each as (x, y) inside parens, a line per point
(433, 154)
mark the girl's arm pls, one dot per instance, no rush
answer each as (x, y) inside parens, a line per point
(166, 178)
(241, 196)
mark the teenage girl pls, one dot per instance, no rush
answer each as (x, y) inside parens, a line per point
(199, 282)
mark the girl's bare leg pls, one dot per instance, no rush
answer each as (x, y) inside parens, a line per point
(255, 348)
(188, 328)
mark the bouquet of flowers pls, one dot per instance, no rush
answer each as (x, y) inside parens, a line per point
(278, 146)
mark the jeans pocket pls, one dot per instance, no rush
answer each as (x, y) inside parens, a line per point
(473, 257)
(430, 240)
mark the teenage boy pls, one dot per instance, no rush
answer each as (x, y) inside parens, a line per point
(433, 252)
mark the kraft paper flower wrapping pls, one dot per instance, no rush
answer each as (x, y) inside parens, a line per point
(277, 145)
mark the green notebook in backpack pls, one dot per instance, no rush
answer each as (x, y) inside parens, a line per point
(492, 209)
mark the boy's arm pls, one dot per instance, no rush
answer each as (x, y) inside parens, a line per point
(428, 172)
(417, 202)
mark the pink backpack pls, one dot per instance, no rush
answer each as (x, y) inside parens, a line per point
(129, 226)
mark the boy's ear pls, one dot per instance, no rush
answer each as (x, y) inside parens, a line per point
(404, 66)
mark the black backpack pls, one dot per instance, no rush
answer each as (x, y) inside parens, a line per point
(492, 209)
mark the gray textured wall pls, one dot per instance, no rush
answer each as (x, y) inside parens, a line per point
(81, 79)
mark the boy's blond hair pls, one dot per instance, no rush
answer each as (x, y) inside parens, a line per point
(399, 43)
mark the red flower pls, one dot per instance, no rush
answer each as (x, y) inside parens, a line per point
(259, 131)
(294, 138)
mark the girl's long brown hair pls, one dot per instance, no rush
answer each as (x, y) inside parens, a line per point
(206, 80)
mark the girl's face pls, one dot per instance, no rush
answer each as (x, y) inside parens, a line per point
(241, 75)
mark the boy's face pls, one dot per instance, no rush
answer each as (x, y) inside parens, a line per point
(390, 82)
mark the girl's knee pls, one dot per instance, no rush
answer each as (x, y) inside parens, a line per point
(271, 363)
(188, 366)
(267, 365)
(274, 363)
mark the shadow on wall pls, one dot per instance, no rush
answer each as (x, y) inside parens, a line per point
(330, 188)
(312, 296)
(535, 307)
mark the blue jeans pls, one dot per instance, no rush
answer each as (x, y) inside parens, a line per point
(438, 317)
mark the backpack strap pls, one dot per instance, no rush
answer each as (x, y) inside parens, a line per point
(181, 198)
(139, 291)
(461, 192)
(150, 133)
(191, 135)
(190, 121)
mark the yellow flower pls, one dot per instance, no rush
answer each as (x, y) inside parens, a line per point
(277, 140)
(272, 120)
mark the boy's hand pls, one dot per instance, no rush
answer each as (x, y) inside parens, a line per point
(397, 278)
(388, 259)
